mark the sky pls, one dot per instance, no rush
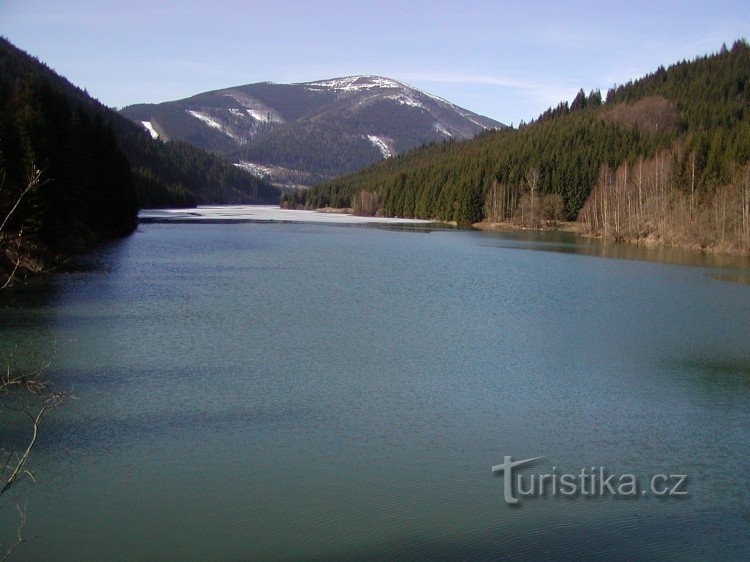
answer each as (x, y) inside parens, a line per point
(507, 60)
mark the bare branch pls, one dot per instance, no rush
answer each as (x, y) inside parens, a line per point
(33, 182)
(8, 281)
(19, 534)
(18, 471)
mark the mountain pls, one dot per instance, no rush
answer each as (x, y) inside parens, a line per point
(164, 174)
(664, 159)
(299, 134)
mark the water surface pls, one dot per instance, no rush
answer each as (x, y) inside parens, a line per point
(316, 391)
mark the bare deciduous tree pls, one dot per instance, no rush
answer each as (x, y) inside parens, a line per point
(501, 202)
(645, 203)
(532, 186)
(365, 203)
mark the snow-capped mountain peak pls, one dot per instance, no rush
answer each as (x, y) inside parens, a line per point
(352, 83)
(308, 132)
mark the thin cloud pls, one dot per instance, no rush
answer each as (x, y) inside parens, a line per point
(542, 94)
(490, 80)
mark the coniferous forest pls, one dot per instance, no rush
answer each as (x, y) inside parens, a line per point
(662, 158)
(84, 187)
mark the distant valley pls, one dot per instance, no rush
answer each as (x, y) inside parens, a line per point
(296, 135)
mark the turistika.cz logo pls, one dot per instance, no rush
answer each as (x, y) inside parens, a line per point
(590, 482)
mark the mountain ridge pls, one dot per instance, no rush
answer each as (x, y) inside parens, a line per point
(301, 133)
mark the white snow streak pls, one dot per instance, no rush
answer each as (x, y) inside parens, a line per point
(439, 99)
(381, 145)
(264, 116)
(150, 128)
(254, 108)
(470, 118)
(440, 129)
(213, 123)
(255, 169)
(405, 99)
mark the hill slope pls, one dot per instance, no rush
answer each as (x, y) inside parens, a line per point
(674, 145)
(303, 133)
(165, 174)
(80, 186)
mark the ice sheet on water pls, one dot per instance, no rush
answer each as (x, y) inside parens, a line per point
(264, 213)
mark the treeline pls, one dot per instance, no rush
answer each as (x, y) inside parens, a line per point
(449, 181)
(696, 112)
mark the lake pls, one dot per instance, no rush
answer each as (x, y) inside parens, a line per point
(287, 391)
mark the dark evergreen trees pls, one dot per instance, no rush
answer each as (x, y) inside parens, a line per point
(86, 190)
(702, 107)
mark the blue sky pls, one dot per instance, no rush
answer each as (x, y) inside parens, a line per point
(506, 60)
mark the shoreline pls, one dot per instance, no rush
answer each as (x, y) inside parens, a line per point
(559, 226)
(330, 215)
(574, 227)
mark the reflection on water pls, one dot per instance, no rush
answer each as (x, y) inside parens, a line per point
(741, 279)
(310, 391)
(566, 242)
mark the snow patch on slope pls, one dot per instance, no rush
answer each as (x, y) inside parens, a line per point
(405, 95)
(264, 116)
(353, 84)
(405, 99)
(381, 145)
(150, 128)
(214, 124)
(470, 118)
(441, 129)
(255, 169)
(254, 108)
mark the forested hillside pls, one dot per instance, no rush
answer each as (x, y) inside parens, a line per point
(81, 186)
(665, 157)
(164, 174)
